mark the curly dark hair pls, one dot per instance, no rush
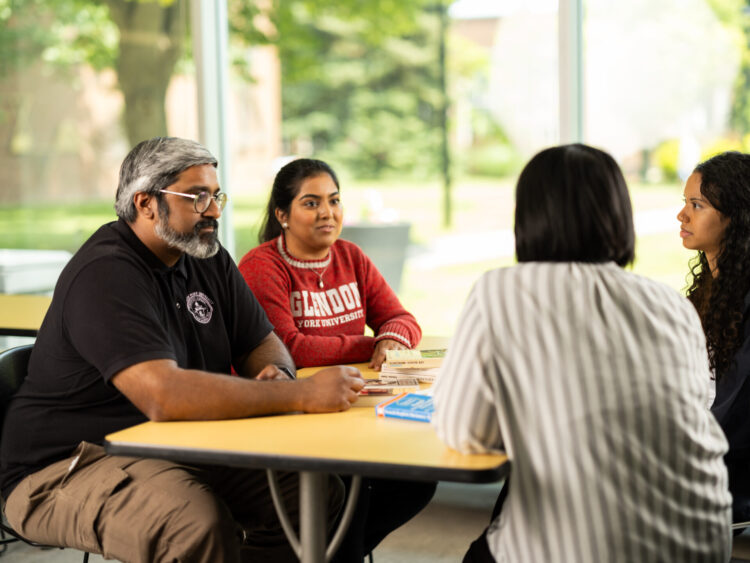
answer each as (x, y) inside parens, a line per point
(725, 182)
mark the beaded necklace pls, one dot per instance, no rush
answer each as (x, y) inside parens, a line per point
(317, 267)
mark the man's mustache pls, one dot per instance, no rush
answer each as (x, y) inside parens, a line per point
(200, 225)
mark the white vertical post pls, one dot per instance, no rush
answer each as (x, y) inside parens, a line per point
(210, 40)
(570, 52)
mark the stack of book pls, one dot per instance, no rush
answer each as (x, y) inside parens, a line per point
(378, 390)
(423, 365)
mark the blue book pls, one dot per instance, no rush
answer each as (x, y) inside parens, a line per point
(410, 406)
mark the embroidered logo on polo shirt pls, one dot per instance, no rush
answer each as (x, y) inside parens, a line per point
(200, 307)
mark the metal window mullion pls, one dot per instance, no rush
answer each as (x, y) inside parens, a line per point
(570, 61)
(210, 47)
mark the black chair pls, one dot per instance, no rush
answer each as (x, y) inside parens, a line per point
(13, 366)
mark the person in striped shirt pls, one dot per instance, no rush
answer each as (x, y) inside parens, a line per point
(593, 380)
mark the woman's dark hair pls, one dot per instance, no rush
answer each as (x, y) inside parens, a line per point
(285, 188)
(572, 205)
(725, 183)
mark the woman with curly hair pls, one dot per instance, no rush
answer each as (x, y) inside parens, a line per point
(715, 221)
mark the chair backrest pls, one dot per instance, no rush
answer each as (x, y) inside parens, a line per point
(14, 364)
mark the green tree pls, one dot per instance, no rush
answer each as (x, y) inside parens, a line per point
(368, 97)
(735, 15)
(149, 37)
(141, 40)
(41, 41)
(60, 33)
(359, 78)
(152, 38)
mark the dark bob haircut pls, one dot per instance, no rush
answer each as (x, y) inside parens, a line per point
(572, 205)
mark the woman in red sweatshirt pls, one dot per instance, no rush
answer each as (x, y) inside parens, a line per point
(320, 292)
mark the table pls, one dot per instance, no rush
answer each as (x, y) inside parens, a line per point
(353, 442)
(30, 270)
(22, 315)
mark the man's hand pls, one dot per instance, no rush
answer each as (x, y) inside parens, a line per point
(331, 389)
(378, 355)
(163, 391)
(272, 372)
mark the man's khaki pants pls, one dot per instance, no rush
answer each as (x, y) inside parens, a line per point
(149, 510)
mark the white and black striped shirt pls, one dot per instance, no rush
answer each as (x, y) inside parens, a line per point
(595, 382)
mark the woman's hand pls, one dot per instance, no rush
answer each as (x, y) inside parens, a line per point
(378, 355)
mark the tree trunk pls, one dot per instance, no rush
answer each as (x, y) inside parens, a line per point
(152, 38)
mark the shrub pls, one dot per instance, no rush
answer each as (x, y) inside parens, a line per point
(666, 157)
(495, 159)
(722, 144)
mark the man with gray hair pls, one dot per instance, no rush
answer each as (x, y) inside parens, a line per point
(146, 323)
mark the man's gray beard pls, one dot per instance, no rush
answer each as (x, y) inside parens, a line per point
(189, 243)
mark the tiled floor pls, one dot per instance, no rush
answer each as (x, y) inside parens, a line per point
(741, 547)
(441, 533)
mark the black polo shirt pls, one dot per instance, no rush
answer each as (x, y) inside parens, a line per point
(115, 305)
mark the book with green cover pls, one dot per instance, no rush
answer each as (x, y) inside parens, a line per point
(396, 359)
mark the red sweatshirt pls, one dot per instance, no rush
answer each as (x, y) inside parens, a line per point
(325, 325)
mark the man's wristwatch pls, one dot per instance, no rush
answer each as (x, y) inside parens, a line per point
(287, 371)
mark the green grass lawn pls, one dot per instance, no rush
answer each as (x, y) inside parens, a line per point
(435, 296)
(438, 305)
(663, 258)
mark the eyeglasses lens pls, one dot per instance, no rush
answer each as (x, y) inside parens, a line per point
(203, 201)
(221, 200)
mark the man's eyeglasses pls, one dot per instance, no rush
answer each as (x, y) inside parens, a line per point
(202, 200)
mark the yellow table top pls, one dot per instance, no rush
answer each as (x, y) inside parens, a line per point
(22, 315)
(351, 442)
(366, 372)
